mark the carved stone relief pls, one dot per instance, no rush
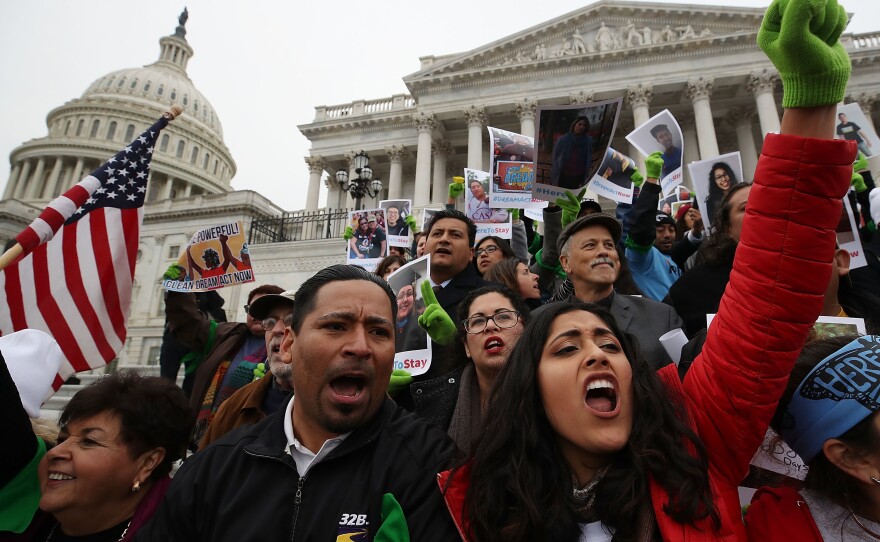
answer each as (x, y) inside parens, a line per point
(606, 39)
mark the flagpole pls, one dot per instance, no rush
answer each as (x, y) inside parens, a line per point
(15, 251)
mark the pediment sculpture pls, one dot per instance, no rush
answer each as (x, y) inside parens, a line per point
(606, 39)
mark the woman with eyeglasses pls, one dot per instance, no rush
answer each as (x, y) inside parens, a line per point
(490, 250)
(491, 321)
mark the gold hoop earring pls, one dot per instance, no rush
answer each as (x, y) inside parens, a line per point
(136, 487)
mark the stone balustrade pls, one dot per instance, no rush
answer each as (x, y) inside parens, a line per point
(397, 102)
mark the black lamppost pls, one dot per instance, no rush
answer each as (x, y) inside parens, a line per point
(361, 185)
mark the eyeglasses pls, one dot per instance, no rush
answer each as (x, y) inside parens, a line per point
(720, 176)
(247, 308)
(503, 319)
(269, 323)
(488, 250)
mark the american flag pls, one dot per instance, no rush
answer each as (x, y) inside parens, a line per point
(74, 278)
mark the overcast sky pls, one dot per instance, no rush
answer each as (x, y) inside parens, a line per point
(263, 65)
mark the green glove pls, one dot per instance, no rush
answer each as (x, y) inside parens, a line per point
(570, 205)
(394, 527)
(858, 182)
(434, 320)
(514, 214)
(400, 380)
(800, 37)
(410, 221)
(637, 178)
(456, 189)
(174, 272)
(349, 233)
(861, 163)
(654, 165)
(537, 244)
(259, 371)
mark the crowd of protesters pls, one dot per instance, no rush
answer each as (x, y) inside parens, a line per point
(553, 407)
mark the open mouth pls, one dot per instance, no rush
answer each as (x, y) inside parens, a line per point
(58, 476)
(493, 345)
(348, 386)
(441, 250)
(601, 397)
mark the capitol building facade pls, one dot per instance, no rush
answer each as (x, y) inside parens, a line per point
(699, 62)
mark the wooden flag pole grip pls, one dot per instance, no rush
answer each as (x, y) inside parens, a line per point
(10, 255)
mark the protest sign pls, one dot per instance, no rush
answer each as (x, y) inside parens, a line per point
(210, 262)
(712, 179)
(612, 179)
(396, 230)
(662, 133)
(848, 235)
(852, 125)
(511, 164)
(412, 346)
(369, 244)
(479, 209)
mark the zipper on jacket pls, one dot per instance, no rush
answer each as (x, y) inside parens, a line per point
(296, 502)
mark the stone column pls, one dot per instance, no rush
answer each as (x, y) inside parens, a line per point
(440, 192)
(639, 98)
(35, 179)
(396, 154)
(52, 183)
(691, 144)
(698, 91)
(9, 192)
(316, 169)
(476, 119)
(187, 190)
(761, 84)
(424, 123)
(741, 120)
(167, 188)
(526, 110)
(76, 176)
(23, 179)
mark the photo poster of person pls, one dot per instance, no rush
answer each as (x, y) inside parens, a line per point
(512, 163)
(396, 230)
(489, 221)
(369, 244)
(662, 133)
(412, 347)
(612, 179)
(210, 260)
(571, 145)
(853, 125)
(848, 234)
(427, 214)
(672, 202)
(712, 179)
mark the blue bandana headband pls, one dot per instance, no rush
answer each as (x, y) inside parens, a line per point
(842, 390)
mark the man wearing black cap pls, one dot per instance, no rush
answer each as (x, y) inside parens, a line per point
(267, 394)
(588, 254)
(651, 237)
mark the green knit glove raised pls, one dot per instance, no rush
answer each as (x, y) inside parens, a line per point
(637, 178)
(570, 205)
(654, 165)
(514, 214)
(174, 272)
(400, 380)
(861, 163)
(800, 37)
(410, 221)
(456, 189)
(858, 182)
(434, 320)
(349, 233)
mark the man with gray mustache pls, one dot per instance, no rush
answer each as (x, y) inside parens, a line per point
(587, 252)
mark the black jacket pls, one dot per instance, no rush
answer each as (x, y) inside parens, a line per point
(246, 487)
